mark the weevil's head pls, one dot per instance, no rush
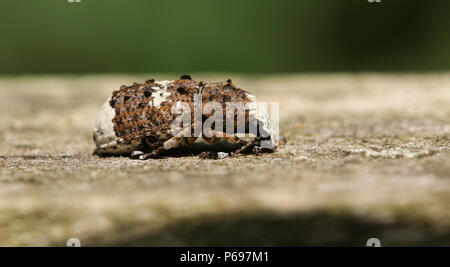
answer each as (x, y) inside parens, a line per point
(267, 129)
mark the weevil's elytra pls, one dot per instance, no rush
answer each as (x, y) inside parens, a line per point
(136, 120)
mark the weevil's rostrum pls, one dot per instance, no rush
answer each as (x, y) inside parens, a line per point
(137, 120)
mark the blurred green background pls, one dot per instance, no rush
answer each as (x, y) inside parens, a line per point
(263, 36)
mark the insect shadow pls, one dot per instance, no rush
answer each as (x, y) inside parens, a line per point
(192, 150)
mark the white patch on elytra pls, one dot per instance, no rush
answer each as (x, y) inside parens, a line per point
(104, 126)
(160, 95)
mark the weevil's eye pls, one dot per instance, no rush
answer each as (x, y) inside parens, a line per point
(229, 81)
(185, 77)
(150, 81)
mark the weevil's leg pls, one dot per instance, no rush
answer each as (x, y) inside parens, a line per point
(250, 146)
(246, 147)
(255, 147)
(157, 148)
(156, 152)
(216, 136)
(152, 147)
(152, 155)
(171, 143)
(179, 138)
(213, 155)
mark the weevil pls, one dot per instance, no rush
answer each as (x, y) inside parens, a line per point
(137, 120)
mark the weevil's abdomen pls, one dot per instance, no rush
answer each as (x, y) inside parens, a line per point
(105, 138)
(137, 112)
(143, 110)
